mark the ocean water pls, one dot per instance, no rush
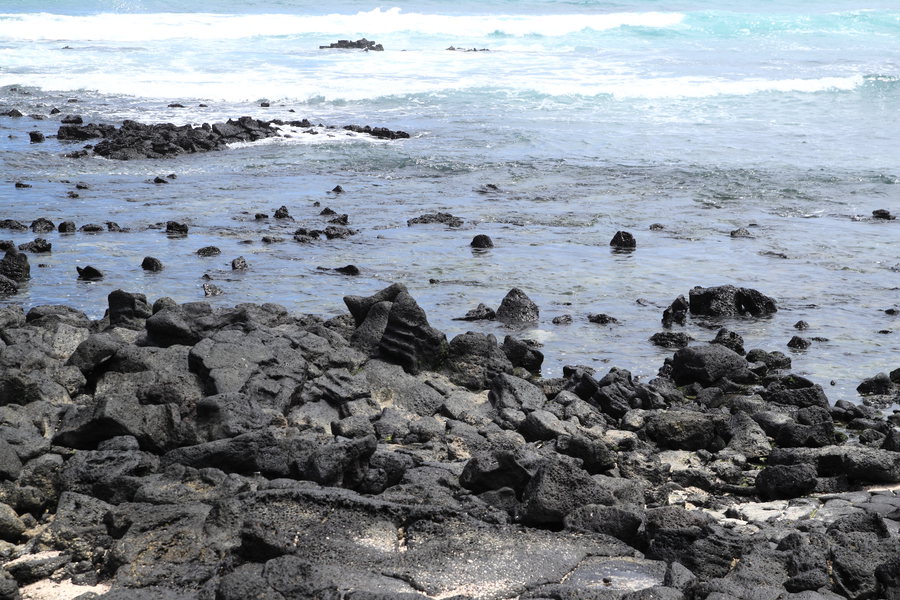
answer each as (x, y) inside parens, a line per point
(589, 117)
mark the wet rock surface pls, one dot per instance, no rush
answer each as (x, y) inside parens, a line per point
(185, 451)
(133, 140)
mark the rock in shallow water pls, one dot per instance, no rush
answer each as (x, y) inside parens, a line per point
(151, 264)
(482, 241)
(89, 273)
(517, 308)
(728, 301)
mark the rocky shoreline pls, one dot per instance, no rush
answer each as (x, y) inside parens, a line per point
(183, 451)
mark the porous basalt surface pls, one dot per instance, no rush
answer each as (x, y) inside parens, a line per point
(185, 451)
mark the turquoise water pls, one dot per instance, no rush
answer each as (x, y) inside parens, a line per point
(591, 117)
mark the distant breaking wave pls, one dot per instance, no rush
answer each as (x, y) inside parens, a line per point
(162, 26)
(251, 86)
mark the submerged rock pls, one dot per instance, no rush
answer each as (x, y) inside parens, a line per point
(89, 273)
(439, 217)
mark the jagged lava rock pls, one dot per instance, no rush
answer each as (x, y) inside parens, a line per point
(517, 308)
(728, 301)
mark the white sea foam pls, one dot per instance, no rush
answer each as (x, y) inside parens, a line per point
(281, 84)
(207, 26)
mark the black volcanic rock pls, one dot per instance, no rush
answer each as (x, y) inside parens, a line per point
(671, 339)
(623, 239)
(729, 301)
(208, 251)
(248, 452)
(361, 44)
(708, 364)
(14, 265)
(482, 241)
(239, 264)
(676, 312)
(482, 312)
(8, 287)
(174, 227)
(378, 132)
(129, 310)
(36, 246)
(439, 217)
(409, 340)
(89, 273)
(151, 264)
(474, 359)
(517, 308)
(42, 225)
(786, 481)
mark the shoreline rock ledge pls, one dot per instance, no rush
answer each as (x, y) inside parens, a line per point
(183, 451)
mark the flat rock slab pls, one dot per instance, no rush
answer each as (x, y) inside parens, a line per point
(437, 552)
(617, 573)
(465, 558)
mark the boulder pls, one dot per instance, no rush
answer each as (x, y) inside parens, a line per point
(686, 430)
(514, 393)
(89, 273)
(556, 489)
(708, 364)
(523, 354)
(474, 359)
(671, 339)
(439, 217)
(128, 310)
(729, 301)
(8, 287)
(359, 306)
(623, 239)
(409, 340)
(879, 384)
(482, 312)
(595, 455)
(154, 265)
(794, 390)
(36, 246)
(620, 522)
(888, 576)
(42, 225)
(786, 481)
(517, 309)
(208, 251)
(676, 312)
(14, 265)
(730, 339)
(482, 241)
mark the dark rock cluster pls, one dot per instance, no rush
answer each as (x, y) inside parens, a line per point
(133, 140)
(183, 451)
(361, 44)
